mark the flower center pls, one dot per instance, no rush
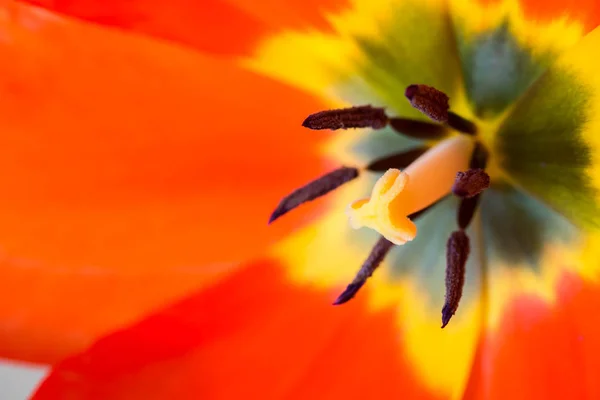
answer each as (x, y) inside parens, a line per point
(413, 181)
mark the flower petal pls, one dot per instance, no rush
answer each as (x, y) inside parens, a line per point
(213, 26)
(549, 144)
(543, 350)
(377, 49)
(410, 280)
(224, 27)
(51, 312)
(503, 50)
(128, 158)
(294, 14)
(255, 334)
(586, 12)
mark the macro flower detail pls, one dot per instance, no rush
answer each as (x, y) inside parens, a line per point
(146, 143)
(399, 195)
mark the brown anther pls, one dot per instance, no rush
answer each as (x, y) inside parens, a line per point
(457, 252)
(429, 101)
(378, 253)
(314, 189)
(470, 183)
(344, 118)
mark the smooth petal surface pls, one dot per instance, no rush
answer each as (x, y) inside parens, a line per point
(224, 27)
(549, 144)
(586, 12)
(213, 26)
(548, 350)
(131, 160)
(254, 335)
(294, 14)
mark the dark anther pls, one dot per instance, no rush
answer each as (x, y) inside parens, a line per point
(429, 101)
(457, 252)
(400, 160)
(460, 124)
(466, 211)
(344, 118)
(378, 253)
(479, 157)
(470, 183)
(314, 189)
(418, 129)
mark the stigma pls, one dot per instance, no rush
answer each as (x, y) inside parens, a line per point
(399, 194)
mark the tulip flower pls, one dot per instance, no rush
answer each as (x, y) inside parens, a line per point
(424, 163)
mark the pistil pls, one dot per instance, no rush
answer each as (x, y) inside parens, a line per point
(397, 194)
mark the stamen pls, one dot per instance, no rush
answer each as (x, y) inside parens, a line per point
(470, 183)
(466, 211)
(479, 157)
(314, 189)
(344, 118)
(378, 253)
(434, 104)
(461, 124)
(399, 161)
(429, 101)
(457, 252)
(418, 129)
(468, 206)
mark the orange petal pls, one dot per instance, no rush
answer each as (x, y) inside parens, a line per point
(51, 312)
(585, 11)
(295, 14)
(213, 26)
(254, 335)
(121, 151)
(225, 27)
(543, 351)
(127, 157)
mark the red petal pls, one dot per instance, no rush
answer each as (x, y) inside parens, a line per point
(293, 13)
(215, 26)
(129, 159)
(543, 351)
(585, 11)
(139, 154)
(255, 335)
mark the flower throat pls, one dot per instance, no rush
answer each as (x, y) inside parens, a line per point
(413, 182)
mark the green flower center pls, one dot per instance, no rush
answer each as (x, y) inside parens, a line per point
(511, 227)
